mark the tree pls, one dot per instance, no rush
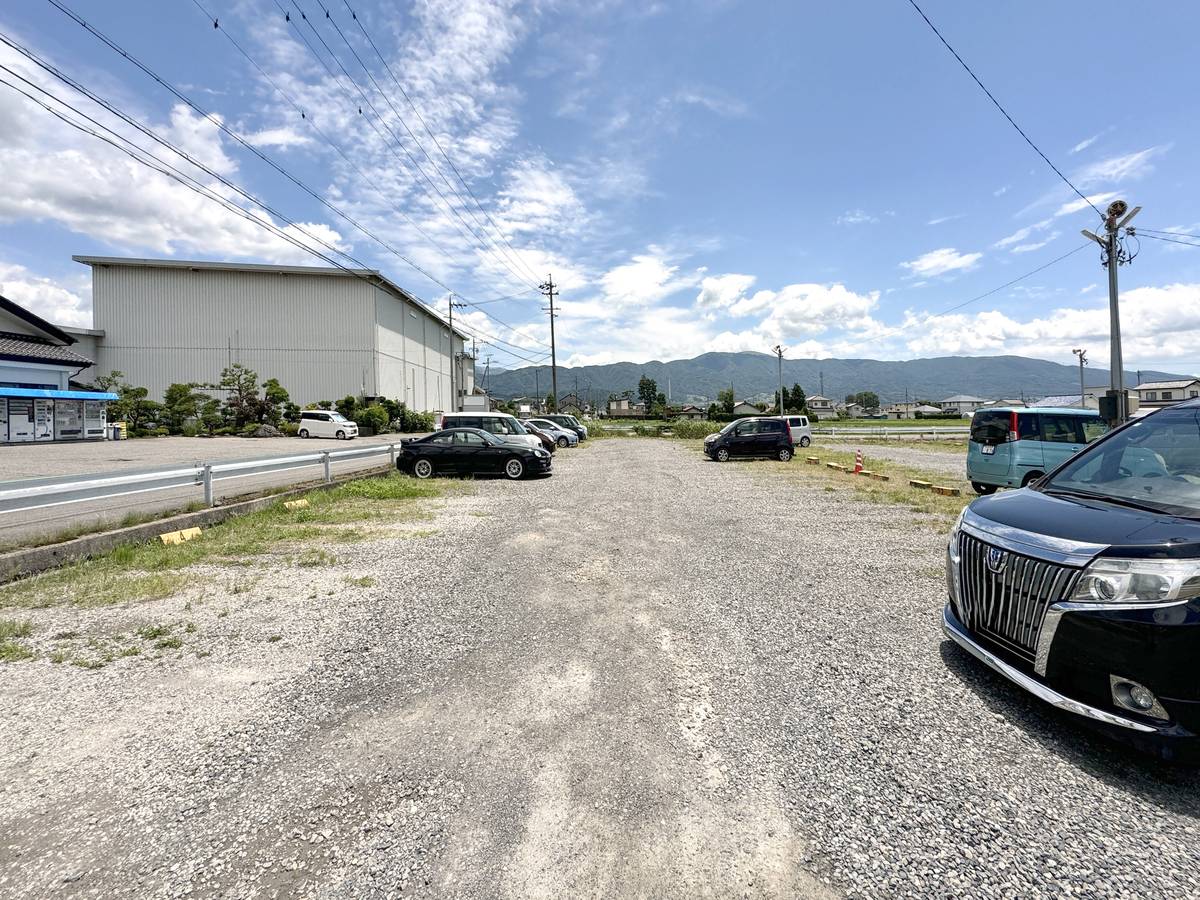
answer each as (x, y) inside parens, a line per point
(136, 408)
(647, 391)
(551, 402)
(713, 411)
(346, 406)
(241, 394)
(865, 399)
(726, 398)
(210, 415)
(275, 400)
(799, 402)
(182, 402)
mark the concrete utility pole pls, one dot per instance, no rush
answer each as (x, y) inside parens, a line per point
(779, 352)
(1082, 354)
(547, 288)
(455, 406)
(1117, 217)
(822, 374)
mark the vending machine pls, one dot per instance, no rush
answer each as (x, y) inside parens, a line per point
(3, 420)
(95, 419)
(43, 420)
(20, 419)
(68, 420)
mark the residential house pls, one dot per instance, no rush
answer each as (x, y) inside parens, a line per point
(746, 408)
(924, 409)
(901, 410)
(821, 407)
(688, 412)
(962, 404)
(1156, 394)
(854, 410)
(624, 408)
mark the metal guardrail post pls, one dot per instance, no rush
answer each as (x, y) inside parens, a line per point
(325, 462)
(208, 491)
(392, 455)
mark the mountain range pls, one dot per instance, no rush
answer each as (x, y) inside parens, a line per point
(755, 376)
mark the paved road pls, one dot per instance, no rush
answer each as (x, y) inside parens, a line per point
(647, 676)
(19, 461)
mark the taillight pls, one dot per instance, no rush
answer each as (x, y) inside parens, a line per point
(787, 430)
(1012, 426)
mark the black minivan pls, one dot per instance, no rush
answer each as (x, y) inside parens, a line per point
(1084, 589)
(768, 437)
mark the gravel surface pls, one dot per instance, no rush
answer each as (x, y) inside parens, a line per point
(649, 675)
(939, 462)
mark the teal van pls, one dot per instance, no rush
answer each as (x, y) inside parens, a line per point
(1011, 446)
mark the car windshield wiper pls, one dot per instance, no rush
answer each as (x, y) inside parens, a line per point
(1106, 498)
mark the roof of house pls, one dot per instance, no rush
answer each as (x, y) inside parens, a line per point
(195, 265)
(1059, 400)
(30, 348)
(926, 408)
(29, 318)
(1166, 385)
(964, 398)
(817, 397)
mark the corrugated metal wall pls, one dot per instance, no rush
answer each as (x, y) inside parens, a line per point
(414, 354)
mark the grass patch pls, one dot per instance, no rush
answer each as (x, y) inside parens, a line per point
(151, 632)
(365, 582)
(11, 651)
(151, 571)
(275, 638)
(314, 557)
(169, 643)
(131, 651)
(93, 527)
(15, 628)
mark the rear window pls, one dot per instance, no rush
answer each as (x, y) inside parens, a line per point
(320, 417)
(990, 427)
(770, 425)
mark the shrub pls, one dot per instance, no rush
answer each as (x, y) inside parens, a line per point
(688, 428)
(190, 429)
(291, 429)
(224, 430)
(248, 429)
(374, 417)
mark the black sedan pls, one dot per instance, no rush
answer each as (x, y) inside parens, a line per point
(1085, 588)
(470, 451)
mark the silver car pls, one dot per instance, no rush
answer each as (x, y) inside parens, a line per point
(564, 437)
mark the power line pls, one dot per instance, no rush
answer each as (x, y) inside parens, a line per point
(1153, 237)
(1003, 111)
(434, 138)
(1008, 284)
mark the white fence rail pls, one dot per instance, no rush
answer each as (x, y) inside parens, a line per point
(897, 431)
(36, 493)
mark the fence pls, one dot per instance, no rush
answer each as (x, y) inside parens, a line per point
(36, 493)
(897, 431)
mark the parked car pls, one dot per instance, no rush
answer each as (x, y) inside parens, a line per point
(502, 425)
(324, 423)
(769, 437)
(1010, 446)
(801, 430)
(470, 451)
(570, 423)
(548, 442)
(1084, 589)
(563, 436)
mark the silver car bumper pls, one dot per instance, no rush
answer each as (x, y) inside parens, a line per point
(957, 633)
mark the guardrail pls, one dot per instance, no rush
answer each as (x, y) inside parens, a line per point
(36, 493)
(886, 431)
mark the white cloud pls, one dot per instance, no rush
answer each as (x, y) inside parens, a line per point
(1075, 206)
(714, 102)
(856, 217)
(1126, 167)
(648, 279)
(1084, 144)
(1021, 234)
(1037, 245)
(943, 219)
(722, 291)
(941, 261)
(64, 303)
(1001, 191)
(284, 137)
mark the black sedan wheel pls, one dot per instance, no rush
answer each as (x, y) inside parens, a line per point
(722, 455)
(514, 468)
(562, 441)
(785, 454)
(423, 468)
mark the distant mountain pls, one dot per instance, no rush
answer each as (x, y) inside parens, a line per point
(755, 375)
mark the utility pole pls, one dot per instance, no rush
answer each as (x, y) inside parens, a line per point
(779, 352)
(822, 374)
(547, 288)
(1117, 217)
(1082, 354)
(455, 406)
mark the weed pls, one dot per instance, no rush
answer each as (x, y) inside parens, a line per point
(168, 643)
(89, 663)
(64, 635)
(242, 587)
(313, 557)
(200, 654)
(13, 628)
(11, 651)
(274, 638)
(187, 607)
(189, 627)
(365, 582)
(223, 613)
(131, 651)
(58, 657)
(150, 632)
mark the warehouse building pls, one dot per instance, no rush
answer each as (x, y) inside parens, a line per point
(38, 361)
(324, 333)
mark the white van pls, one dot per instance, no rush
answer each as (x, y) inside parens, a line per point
(502, 425)
(325, 423)
(801, 431)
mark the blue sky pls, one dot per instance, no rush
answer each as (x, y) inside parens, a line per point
(698, 176)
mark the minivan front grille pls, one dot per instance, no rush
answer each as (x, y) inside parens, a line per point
(1007, 599)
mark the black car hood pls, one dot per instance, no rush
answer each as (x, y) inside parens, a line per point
(1127, 532)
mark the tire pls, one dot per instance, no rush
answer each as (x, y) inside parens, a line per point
(341, 435)
(983, 489)
(784, 454)
(804, 441)
(1032, 476)
(722, 455)
(423, 468)
(514, 468)
(563, 442)
(303, 432)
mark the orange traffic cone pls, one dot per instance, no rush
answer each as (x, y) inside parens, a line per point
(858, 463)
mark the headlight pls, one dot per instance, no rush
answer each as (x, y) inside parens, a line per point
(953, 546)
(1138, 581)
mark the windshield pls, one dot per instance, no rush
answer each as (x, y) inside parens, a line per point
(729, 427)
(338, 417)
(1153, 463)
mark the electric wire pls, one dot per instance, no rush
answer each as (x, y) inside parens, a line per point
(1003, 111)
(1154, 237)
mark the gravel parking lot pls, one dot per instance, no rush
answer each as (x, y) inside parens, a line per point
(649, 675)
(951, 463)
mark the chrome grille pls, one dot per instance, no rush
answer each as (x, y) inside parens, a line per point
(1008, 606)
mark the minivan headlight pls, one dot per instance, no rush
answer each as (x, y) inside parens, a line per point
(1138, 581)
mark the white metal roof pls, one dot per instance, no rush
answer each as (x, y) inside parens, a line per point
(1166, 385)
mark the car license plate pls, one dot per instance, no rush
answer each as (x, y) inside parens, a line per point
(988, 449)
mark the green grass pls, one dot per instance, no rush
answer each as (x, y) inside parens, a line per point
(93, 527)
(151, 571)
(365, 582)
(313, 557)
(11, 651)
(15, 628)
(151, 632)
(168, 643)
